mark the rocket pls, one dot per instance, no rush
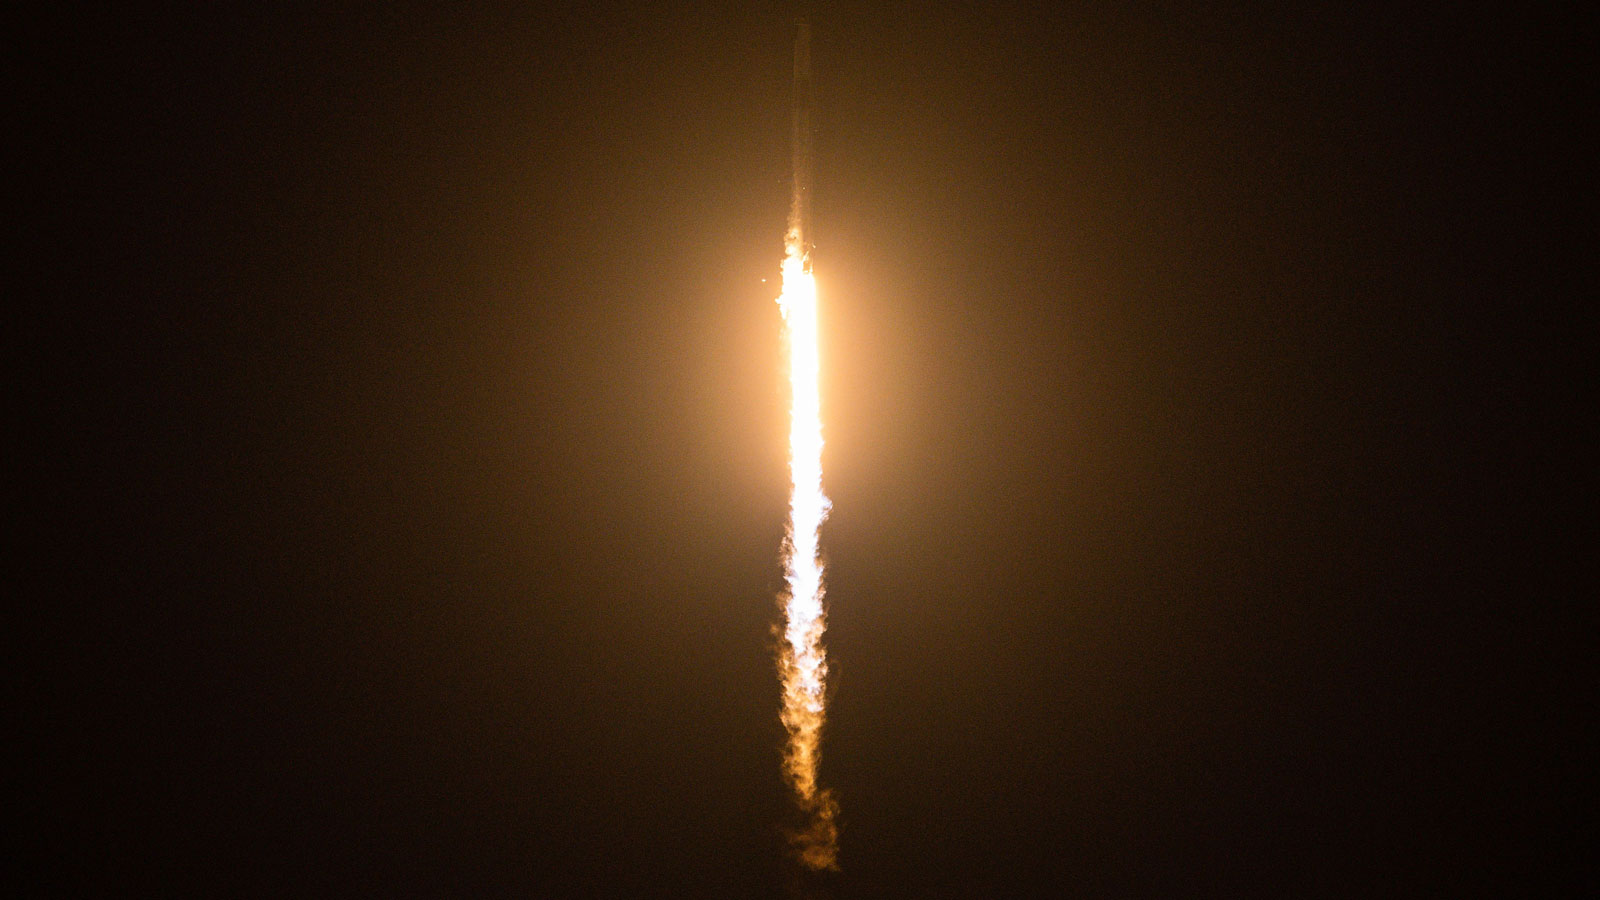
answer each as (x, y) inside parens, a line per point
(798, 240)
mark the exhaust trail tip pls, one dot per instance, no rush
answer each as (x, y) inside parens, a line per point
(802, 49)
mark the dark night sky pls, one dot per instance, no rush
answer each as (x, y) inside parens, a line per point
(403, 409)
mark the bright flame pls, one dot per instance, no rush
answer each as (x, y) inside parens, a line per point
(803, 663)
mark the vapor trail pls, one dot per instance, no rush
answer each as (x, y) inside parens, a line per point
(803, 663)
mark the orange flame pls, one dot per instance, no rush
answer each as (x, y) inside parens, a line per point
(803, 663)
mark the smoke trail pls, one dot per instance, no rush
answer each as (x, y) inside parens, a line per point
(802, 663)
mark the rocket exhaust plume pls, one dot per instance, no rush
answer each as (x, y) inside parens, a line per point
(802, 662)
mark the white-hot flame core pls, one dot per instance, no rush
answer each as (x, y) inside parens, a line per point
(804, 664)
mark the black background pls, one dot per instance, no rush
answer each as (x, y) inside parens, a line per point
(404, 410)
